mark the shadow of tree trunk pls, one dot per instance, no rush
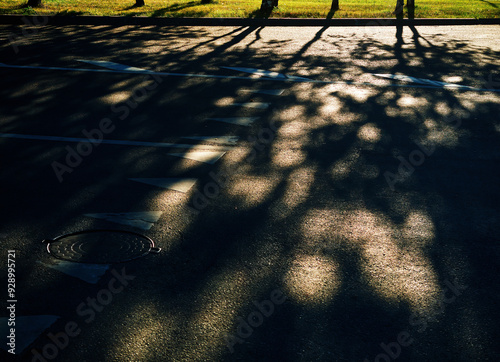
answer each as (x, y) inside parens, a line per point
(34, 3)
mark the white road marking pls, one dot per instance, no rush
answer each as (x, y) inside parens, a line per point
(227, 140)
(433, 83)
(111, 142)
(90, 273)
(112, 65)
(176, 184)
(271, 92)
(266, 73)
(2, 65)
(213, 76)
(258, 105)
(142, 220)
(28, 329)
(240, 121)
(209, 157)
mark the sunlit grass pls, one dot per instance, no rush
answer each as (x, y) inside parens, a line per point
(249, 8)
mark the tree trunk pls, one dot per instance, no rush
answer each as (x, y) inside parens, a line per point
(139, 3)
(268, 5)
(399, 8)
(34, 3)
(411, 9)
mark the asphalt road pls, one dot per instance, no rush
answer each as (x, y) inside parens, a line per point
(338, 222)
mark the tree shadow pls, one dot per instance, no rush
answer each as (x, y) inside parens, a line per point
(303, 203)
(176, 7)
(490, 3)
(135, 6)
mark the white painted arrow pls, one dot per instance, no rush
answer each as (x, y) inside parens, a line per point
(28, 329)
(240, 121)
(434, 83)
(176, 184)
(90, 273)
(142, 220)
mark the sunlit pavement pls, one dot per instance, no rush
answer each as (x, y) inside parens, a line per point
(298, 221)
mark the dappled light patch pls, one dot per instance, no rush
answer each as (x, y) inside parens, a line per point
(331, 106)
(359, 94)
(292, 113)
(298, 188)
(303, 91)
(418, 229)
(453, 79)
(116, 97)
(442, 108)
(225, 101)
(252, 190)
(444, 135)
(399, 275)
(139, 335)
(312, 280)
(369, 133)
(285, 157)
(386, 98)
(397, 272)
(392, 111)
(414, 102)
(294, 129)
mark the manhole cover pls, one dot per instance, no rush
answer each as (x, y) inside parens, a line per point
(101, 246)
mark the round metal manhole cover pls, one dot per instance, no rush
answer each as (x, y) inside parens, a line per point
(101, 246)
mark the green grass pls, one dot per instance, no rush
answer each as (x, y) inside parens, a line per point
(249, 8)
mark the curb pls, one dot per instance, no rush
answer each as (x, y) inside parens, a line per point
(145, 21)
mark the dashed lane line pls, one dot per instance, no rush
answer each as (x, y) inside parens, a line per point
(143, 220)
(28, 329)
(240, 121)
(176, 184)
(90, 273)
